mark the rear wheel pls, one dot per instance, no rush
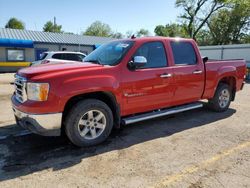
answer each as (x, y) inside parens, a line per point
(222, 98)
(89, 123)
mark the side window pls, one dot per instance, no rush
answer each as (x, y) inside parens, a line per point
(184, 53)
(155, 54)
(73, 57)
(79, 57)
(57, 56)
(70, 57)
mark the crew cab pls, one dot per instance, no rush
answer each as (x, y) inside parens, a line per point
(122, 82)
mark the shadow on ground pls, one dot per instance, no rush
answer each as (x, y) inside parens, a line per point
(24, 155)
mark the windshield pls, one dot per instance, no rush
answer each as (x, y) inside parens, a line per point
(110, 53)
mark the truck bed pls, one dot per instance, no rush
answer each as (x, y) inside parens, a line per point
(217, 69)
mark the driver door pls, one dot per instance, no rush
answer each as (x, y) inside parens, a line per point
(149, 87)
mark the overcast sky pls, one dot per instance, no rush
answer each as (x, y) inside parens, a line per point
(76, 15)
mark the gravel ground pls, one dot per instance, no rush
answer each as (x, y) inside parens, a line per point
(194, 149)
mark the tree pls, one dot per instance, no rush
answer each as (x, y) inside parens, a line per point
(171, 30)
(231, 25)
(129, 34)
(245, 39)
(14, 23)
(69, 33)
(197, 12)
(117, 35)
(160, 30)
(142, 32)
(98, 29)
(204, 38)
(50, 27)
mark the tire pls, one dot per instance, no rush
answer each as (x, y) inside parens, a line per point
(84, 129)
(222, 98)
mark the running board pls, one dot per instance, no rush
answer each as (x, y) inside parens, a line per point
(159, 113)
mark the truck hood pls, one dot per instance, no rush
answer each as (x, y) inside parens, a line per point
(55, 68)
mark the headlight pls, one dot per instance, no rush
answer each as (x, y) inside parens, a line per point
(37, 91)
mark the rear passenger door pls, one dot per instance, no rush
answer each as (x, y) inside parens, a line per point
(188, 72)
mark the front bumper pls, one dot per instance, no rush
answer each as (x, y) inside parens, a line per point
(42, 124)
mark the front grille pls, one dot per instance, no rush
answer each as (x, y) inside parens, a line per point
(20, 88)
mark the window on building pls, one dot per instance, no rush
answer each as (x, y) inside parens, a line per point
(155, 54)
(184, 53)
(15, 55)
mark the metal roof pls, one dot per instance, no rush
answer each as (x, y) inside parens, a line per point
(47, 37)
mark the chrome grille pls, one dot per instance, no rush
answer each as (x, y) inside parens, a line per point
(20, 88)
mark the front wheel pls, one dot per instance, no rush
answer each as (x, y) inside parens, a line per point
(89, 123)
(222, 98)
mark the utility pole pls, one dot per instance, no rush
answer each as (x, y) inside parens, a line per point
(54, 25)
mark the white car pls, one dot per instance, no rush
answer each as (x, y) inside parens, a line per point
(57, 57)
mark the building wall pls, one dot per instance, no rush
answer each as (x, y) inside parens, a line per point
(77, 48)
(58, 47)
(2, 54)
(241, 51)
(28, 53)
(50, 47)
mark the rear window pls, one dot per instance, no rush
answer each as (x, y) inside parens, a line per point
(184, 53)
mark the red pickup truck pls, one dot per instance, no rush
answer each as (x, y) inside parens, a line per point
(122, 82)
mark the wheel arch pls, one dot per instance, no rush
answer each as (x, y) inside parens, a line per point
(231, 81)
(106, 97)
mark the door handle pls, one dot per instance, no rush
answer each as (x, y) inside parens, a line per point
(197, 72)
(166, 75)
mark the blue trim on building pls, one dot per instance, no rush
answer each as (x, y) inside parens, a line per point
(16, 43)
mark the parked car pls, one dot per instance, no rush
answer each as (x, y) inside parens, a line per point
(56, 57)
(122, 82)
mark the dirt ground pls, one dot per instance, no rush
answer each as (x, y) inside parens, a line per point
(194, 149)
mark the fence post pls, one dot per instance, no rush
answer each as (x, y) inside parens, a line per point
(222, 53)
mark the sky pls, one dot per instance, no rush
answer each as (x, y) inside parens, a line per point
(76, 15)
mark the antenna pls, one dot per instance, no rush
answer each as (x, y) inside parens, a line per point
(133, 36)
(54, 25)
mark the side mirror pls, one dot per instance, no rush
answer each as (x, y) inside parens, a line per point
(204, 59)
(137, 62)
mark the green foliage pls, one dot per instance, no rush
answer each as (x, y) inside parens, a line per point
(50, 27)
(142, 33)
(160, 30)
(117, 35)
(231, 26)
(197, 12)
(171, 30)
(214, 21)
(204, 38)
(98, 29)
(129, 34)
(69, 33)
(14, 23)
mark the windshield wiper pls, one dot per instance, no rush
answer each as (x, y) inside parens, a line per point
(95, 61)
